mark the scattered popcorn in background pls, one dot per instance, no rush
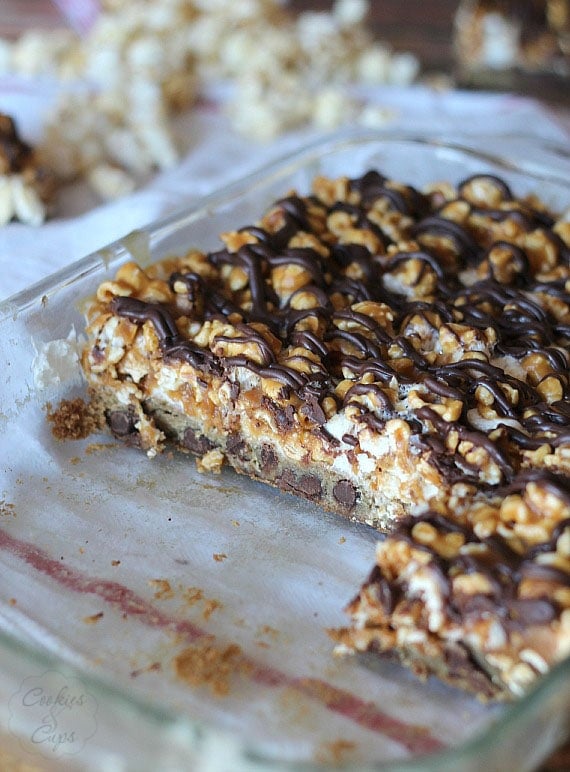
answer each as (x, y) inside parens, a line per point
(142, 63)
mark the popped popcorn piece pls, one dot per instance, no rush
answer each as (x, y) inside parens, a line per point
(110, 181)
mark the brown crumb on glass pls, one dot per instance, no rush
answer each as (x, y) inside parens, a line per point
(334, 752)
(163, 589)
(210, 666)
(192, 595)
(219, 557)
(7, 509)
(267, 630)
(212, 462)
(73, 419)
(210, 606)
(93, 619)
(97, 447)
(152, 668)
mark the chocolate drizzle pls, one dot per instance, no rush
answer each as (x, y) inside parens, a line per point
(174, 346)
(504, 569)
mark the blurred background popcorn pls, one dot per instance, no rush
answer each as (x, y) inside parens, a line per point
(494, 40)
(127, 68)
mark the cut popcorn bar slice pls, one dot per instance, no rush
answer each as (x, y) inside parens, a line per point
(380, 350)
(480, 596)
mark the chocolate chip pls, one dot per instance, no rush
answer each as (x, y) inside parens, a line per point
(234, 390)
(268, 459)
(121, 422)
(308, 485)
(285, 417)
(531, 611)
(236, 447)
(313, 410)
(345, 493)
(196, 443)
(464, 670)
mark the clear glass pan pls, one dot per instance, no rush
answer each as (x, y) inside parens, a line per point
(113, 565)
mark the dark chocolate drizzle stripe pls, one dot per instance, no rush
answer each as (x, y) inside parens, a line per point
(467, 248)
(173, 345)
(349, 274)
(478, 439)
(500, 185)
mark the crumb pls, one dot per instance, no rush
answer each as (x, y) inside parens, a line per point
(210, 606)
(163, 589)
(294, 709)
(143, 482)
(334, 752)
(342, 540)
(212, 462)
(115, 562)
(12, 601)
(7, 509)
(73, 419)
(210, 666)
(235, 523)
(219, 557)
(97, 447)
(267, 630)
(192, 595)
(81, 550)
(93, 618)
(152, 668)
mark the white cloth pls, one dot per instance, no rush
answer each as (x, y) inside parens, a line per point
(215, 154)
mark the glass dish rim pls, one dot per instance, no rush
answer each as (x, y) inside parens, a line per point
(110, 255)
(161, 227)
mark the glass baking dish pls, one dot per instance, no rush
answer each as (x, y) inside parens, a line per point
(155, 618)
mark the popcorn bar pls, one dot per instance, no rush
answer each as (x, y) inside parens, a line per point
(398, 356)
(478, 595)
(26, 186)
